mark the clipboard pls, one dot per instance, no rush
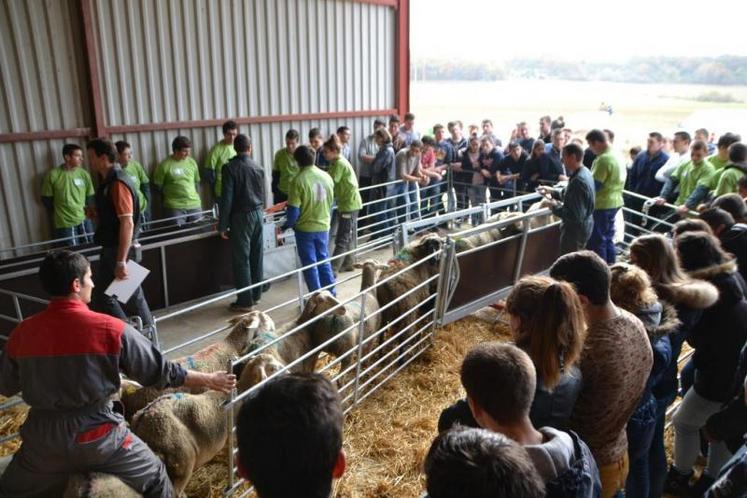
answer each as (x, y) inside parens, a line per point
(124, 289)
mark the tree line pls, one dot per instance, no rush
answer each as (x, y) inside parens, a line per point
(723, 70)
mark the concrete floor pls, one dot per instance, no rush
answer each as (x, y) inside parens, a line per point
(177, 330)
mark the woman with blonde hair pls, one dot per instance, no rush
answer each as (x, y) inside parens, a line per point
(631, 290)
(547, 322)
(690, 297)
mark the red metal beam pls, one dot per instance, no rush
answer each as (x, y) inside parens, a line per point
(402, 57)
(97, 100)
(30, 136)
(280, 118)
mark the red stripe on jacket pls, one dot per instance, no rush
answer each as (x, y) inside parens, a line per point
(66, 328)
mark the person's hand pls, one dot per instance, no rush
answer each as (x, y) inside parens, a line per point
(702, 207)
(224, 235)
(220, 381)
(120, 271)
(660, 201)
(683, 210)
(485, 173)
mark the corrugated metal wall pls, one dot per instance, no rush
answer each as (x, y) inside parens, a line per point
(42, 87)
(172, 61)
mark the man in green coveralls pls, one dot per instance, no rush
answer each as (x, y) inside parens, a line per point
(219, 155)
(66, 191)
(177, 179)
(242, 203)
(284, 168)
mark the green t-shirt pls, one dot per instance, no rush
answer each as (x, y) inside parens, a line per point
(177, 180)
(728, 182)
(606, 170)
(346, 186)
(718, 166)
(288, 168)
(313, 192)
(137, 174)
(219, 155)
(690, 175)
(68, 190)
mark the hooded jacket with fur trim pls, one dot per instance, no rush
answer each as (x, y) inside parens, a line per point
(720, 333)
(689, 300)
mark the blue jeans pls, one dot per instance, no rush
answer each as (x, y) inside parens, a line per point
(312, 248)
(384, 219)
(602, 240)
(406, 202)
(430, 198)
(657, 457)
(640, 430)
(77, 235)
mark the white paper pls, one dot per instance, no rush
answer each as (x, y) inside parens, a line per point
(124, 289)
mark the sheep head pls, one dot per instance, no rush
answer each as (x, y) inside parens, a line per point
(371, 263)
(427, 245)
(247, 327)
(318, 303)
(258, 369)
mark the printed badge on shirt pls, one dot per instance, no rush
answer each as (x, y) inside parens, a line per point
(320, 193)
(177, 172)
(78, 182)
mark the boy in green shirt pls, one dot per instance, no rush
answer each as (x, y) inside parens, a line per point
(177, 179)
(608, 182)
(720, 159)
(694, 178)
(729, 181)
(309, 208)
(348, 200)
(284, 168)
(139, 178)
(66, 191)
(220, 154)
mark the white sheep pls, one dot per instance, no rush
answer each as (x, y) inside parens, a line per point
(185, 430)
(209, 359)
(98, 485)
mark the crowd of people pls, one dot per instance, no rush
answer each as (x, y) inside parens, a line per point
(576, 406)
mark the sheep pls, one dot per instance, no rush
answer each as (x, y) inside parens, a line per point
(209, 359)
(409, 308)
(98, 485)
(185, 430)
(495, 234)
(283, 352)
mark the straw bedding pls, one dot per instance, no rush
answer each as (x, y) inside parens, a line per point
(388, 434)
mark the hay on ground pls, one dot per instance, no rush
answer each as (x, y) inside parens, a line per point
(10, 423)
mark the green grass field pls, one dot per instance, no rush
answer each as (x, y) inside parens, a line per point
(637, 108)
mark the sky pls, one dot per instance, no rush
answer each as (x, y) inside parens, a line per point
(576, 30)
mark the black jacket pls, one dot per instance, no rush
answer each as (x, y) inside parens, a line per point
(549, 408)
(719, 335)
(243, 188)
(107, 228)
(730, 424)
(689, 300)
(734, 240)
(541, 168)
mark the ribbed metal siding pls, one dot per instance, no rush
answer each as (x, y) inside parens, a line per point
(43, 86)
(191, 60)
(181, 60)
(152, 147)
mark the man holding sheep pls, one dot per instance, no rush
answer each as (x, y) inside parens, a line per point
(67, 360)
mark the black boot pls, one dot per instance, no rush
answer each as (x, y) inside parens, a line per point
(677, 484)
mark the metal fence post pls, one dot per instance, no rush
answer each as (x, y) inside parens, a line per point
(450, 194)
(164, 277)
(361, 333)
(229, 424)
(17, 306)
(299, 276)
(443, 283)
(522, 249)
